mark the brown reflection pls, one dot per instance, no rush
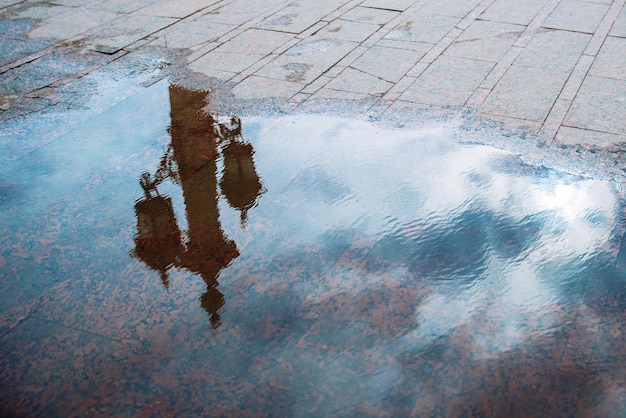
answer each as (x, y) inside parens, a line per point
(190, 161)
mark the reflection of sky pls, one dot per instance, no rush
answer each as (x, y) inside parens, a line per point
(370, 246)
(469, 223)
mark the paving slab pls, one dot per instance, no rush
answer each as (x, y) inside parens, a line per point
(449, 81)
(397, 5)
(122, 6)
(513, 11)
(389, 64)
(347, 30)
(356, 81)
(578, 16)
(611, 60)
(417, 27)
(599, 106)
(297, 17)
(485, 40)
(192, 33)
(553, 49)
(166, 8)
(619, 27)
(370, 15)
(313, 57)
(456, 8)
(526, 93)
(83, 20)
(589, 139)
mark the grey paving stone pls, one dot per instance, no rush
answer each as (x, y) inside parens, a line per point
(227, 61)
(449, 81)
(457, 8)
(39, 11)
(307, 60)
(191, 33)
(369, 15)
(239, 12)
(255, 87)
(599, 106)
(7, 3)
(297, 17)
(619, 26)
(83, 20)
(12, 49)
(485, 40)
(525, 93)
(356, 81)
(589, 139)
(256, 41)
(389, 64)
(349, 31)
(553, 49)
(513, 11)
(611, 60)
(418, 27)
(399, 5)
(122, 6)
(579, 16)
(167, 8)
(116, 35)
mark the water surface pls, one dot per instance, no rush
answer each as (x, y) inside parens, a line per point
(160, 260)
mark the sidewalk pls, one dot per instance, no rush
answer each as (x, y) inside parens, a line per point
(556, 67)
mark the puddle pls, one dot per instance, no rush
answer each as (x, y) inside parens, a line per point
(302, 266)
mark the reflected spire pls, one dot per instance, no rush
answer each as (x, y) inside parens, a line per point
(190, 161)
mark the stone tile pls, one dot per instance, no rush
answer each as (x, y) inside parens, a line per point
(218, 74)
(449, 81)
(420, 27)
(575, 80)
(611, 60)
(345, 30)
(485, 40)
(14, 49)
(192, 33)
(410, 45)
(579, 16)
(297, 17)
(116, 35)
(398, 5)
(525, 93)
(356, 81)
(255, 41)
(82, 19)
(589, 139)
(167, 8)
(513, 11)
(255, 87)
(456, 8)
(553, 49)
(307, 60)
(599, 106)
(227, 61)
(389, 64)
(122, 6)
(239, 12)
(39, 11)
(369, 15)
(619, 26)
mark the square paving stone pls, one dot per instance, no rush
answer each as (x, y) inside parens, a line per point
(255, 87)
(589, 139)
(418, 27)
(227, 61)
(369, 15)
(189, 34)
(599, 106)
(611, 60)
(525, 93)
(255, 41)
(307, 60)
(513, 11)
(449, 81)
(579, 16)
(553, 49)
(485, 40)
(167, 8)
(346, 30)
(356, 81)
(457, 8)
(389, 64)
(399, 5)
(83, 20)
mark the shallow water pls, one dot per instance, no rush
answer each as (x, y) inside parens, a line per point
(157, 260)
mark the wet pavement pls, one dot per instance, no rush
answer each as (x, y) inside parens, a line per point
(413, 208)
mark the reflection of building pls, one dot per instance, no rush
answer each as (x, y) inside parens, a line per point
(191, 162)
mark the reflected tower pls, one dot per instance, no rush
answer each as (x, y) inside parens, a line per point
(191, 162)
